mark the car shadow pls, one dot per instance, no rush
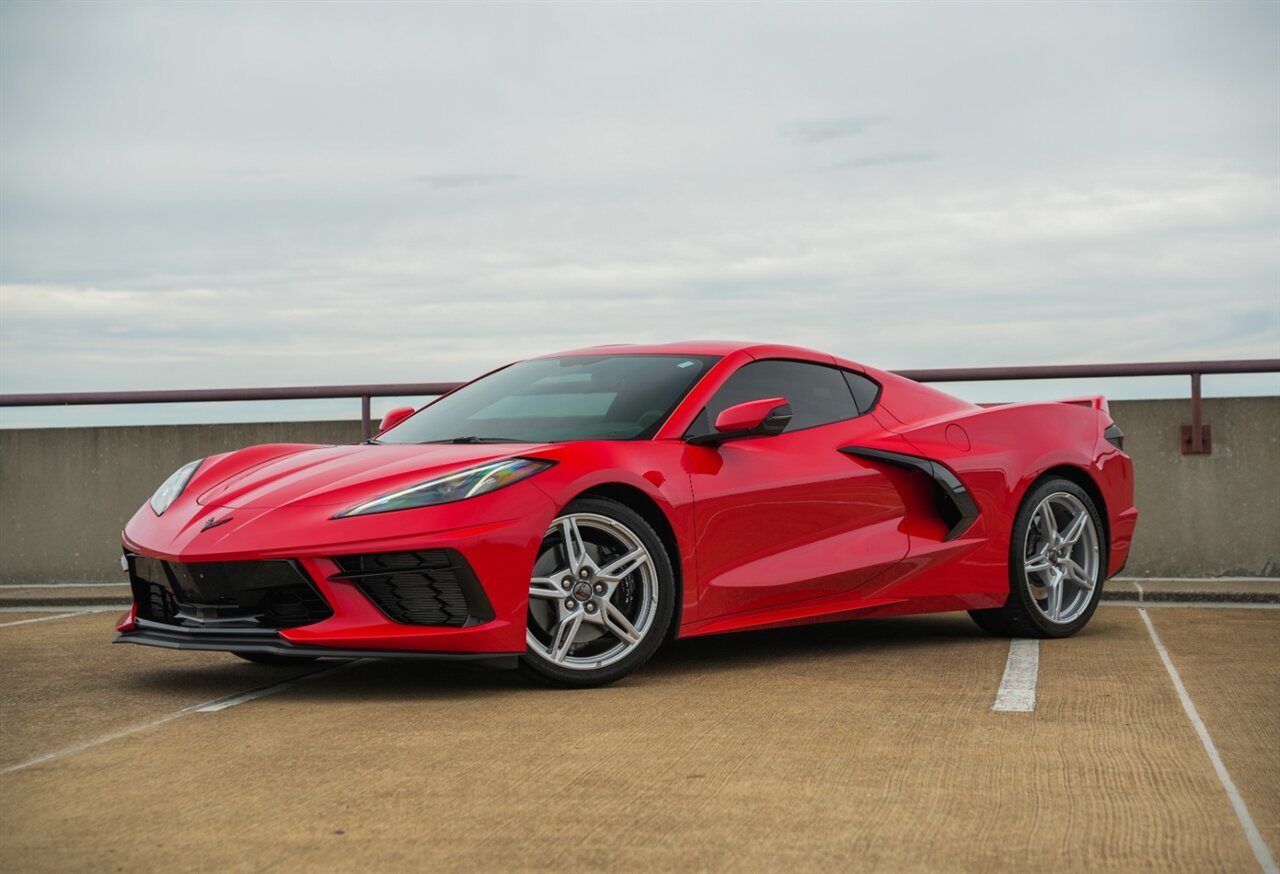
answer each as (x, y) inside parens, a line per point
(750, 650)
(716, 655)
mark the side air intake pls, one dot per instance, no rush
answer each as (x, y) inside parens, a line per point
(955, 505)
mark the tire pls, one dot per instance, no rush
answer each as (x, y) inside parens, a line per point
(601, 596)
(266, 658)
(1057, 563)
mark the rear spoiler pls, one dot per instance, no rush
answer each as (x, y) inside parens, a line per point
(1094, 402)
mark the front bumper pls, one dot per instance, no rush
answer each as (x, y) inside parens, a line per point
(477, 608)
(266, 641)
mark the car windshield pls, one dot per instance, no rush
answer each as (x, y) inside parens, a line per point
(550, 400)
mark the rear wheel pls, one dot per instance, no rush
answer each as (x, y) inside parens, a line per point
(601, 596)
(1057, 562)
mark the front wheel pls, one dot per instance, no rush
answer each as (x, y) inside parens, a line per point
(1057, 562)
(601, 596)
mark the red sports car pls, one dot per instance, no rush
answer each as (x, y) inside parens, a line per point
(568, 514)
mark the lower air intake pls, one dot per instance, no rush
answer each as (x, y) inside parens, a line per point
(269, 594)
(426, 587)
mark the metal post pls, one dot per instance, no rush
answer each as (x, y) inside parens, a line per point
(366, 426)
(1196, 437)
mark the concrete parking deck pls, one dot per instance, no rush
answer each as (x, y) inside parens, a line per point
(863, 746)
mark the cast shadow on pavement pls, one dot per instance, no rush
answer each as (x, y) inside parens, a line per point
(684, 661)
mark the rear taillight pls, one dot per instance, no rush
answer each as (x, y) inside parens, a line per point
(1114, 436)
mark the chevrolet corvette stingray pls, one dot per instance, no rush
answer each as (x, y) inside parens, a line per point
(566, 515)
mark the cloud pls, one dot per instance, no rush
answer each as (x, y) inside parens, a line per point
(464, 180)
(819, 130)
(170, 218)
(887, 159)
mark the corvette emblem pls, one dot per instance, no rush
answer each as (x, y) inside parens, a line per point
(214, 523)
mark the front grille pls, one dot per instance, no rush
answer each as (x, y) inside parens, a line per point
(268, 594)
(425, 587)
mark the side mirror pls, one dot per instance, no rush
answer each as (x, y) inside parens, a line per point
(395, 417)
(763, 418)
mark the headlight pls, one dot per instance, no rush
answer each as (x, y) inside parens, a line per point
(173, 486)
(454, 487)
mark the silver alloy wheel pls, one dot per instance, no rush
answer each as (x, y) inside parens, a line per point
(1061, 557)
(593, 595)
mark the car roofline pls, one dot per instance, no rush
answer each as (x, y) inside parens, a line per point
(720, 348)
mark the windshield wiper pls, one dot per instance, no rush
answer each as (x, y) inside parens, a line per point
(474, 440)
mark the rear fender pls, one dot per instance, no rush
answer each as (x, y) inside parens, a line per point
(998, 452)
(1001, 451)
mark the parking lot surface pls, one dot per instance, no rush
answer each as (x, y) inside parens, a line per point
(868, 746)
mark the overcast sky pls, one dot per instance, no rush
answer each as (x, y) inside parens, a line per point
(238, 194)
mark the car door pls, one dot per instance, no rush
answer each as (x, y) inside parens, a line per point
(789, 518)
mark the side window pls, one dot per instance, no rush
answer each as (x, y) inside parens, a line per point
(865, 391)
(818, 394)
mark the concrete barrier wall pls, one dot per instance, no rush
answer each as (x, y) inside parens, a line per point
(66, 492)
(1205, 515)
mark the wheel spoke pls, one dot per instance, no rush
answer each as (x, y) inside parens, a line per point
(618, 624)
(575, 549)
(545, 587)
(562, 639)
(1038, 563)
(619, 569)
(1047, 521)
(1053, 607)
(1078, 575)
(1076, 528)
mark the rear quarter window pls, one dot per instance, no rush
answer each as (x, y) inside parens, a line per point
(865, 391)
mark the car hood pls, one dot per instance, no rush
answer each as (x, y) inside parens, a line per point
(337, 476)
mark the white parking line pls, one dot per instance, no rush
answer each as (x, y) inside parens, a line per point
(1017, 692)
(1251, 833)
(255, 694)
(64, 585)
(203, 707)
(82, 608)
(62, 615)
(38, 619)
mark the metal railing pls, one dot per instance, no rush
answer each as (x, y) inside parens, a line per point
(1196, 437)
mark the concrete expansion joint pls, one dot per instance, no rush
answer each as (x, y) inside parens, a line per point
(1226, 590)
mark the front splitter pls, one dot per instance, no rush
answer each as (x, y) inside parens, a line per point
(266, 641)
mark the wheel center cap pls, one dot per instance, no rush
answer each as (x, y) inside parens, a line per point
(582, 591)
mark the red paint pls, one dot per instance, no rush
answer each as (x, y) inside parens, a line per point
(748, 416)
(771, 531)
(127, 619)
(395, 417)
(790, 518)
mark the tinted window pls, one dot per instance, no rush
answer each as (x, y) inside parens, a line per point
(578, 397)
(818, 394)
(865, 392)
